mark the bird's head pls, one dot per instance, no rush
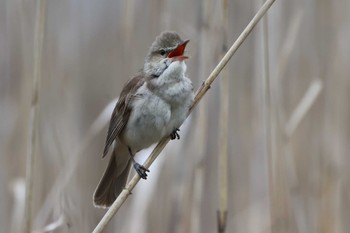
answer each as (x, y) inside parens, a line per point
(167, 48)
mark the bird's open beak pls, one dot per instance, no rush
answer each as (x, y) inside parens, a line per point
(177, 54)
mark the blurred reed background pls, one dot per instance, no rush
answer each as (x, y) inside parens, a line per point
(287, 131)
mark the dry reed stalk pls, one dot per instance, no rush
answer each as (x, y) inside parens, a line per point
(303, 107)
(297, 116)
(266, 81)
(201, 126)
(199, 95)
(34, 113)
(223, 154)
(267, 92)
(223, 135)
(196, 198)
(127, 26)
(286, 51)
(280, 212)
(332, 215)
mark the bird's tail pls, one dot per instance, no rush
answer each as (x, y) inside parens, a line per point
(114, 178)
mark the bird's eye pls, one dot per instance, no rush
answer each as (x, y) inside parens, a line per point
(162, 52)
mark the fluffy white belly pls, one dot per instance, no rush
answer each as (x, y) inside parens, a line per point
(148, 123)
(159, 112)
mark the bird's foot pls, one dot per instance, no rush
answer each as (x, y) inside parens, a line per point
(141, 170)
(175, 134)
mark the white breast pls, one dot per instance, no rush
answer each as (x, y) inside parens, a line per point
(160, 111)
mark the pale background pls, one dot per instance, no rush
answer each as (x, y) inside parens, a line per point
(278, 181)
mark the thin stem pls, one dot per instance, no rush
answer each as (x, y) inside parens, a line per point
(34, 112)
(223, 135)
(303, 107)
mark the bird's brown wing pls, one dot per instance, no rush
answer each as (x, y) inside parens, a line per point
(122, 110)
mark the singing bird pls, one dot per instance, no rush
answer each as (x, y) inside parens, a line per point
(153, 104)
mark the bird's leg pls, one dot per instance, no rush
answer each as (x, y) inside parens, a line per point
(141, 170)
(175, 134)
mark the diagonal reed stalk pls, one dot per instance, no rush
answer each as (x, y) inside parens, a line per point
(303, 107)
(199, 95)
(34, 112)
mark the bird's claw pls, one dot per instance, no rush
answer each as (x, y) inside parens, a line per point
(141, 170)
(175, 134)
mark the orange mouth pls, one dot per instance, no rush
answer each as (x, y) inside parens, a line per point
(177, 54)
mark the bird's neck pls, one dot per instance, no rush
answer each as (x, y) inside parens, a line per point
(170, 83)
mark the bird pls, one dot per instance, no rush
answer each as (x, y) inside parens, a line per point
(153, 104)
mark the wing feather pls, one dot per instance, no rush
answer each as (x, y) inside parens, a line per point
(122, 111)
